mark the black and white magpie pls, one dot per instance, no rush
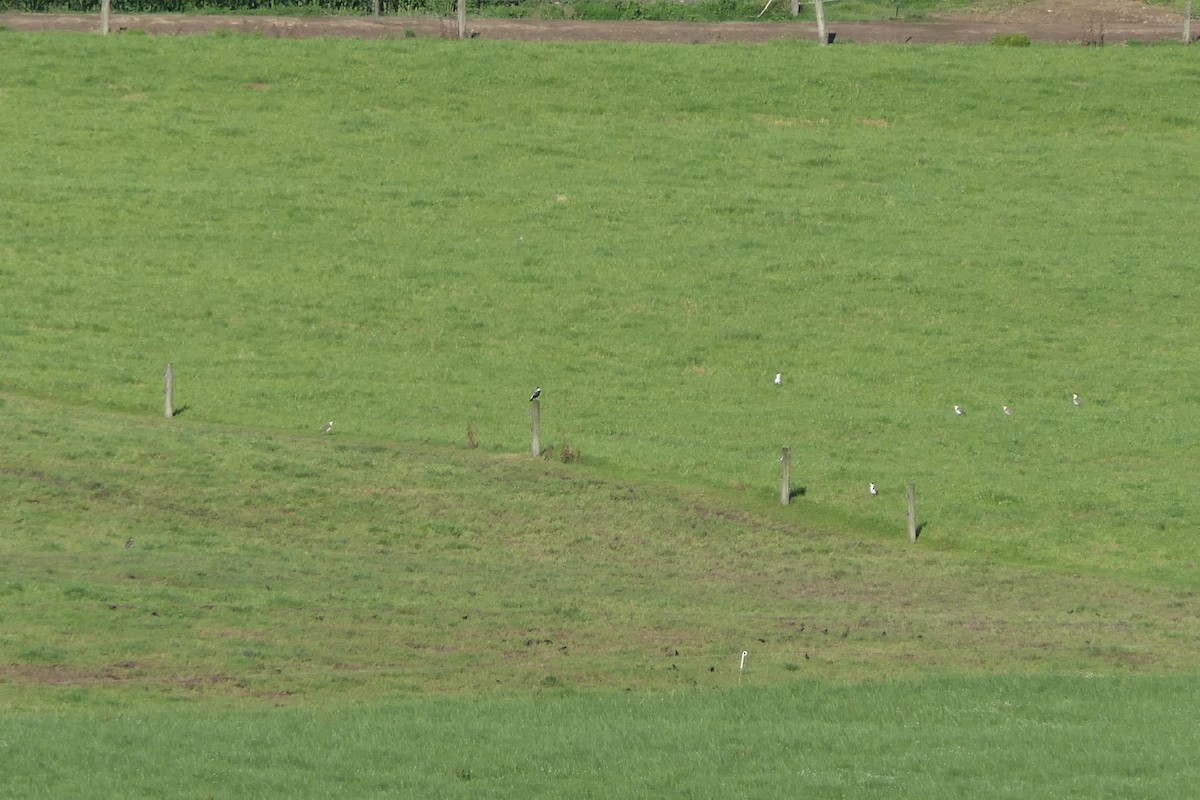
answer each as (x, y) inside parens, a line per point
(328, 427)
(536, 394)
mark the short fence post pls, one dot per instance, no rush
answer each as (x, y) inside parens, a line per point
(912, 513)
(169, 391)
(535, 411)
(785, 488)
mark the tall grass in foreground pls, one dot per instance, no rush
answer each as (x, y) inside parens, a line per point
(951, 738)
(408, 236)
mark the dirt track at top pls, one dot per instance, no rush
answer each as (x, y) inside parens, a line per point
(1088, 21)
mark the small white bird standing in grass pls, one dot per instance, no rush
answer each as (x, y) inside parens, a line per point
(328, 427)
(779, 379)
(1075, 399)
(536, 394)
(958, 410)
(1008, 411)
(873, 491)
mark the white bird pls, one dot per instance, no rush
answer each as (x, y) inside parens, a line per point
(1075, 399)
(328, 427)
(1008, 411)
(779, 379)
(536, 394)
(874, 491)
(958, 410)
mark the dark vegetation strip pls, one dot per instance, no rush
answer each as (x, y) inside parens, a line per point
(663, 10)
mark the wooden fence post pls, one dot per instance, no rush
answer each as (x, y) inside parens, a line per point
(912, 513)
(169, 391)
(822, 34)
(785, 488)
(535, 411)
(1187, 23)
(462, 19)
(105, 12)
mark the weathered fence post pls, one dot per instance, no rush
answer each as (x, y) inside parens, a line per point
(169, 392)
(535, 411)
(1187, 23)
(785, 488)
(912, 513)
(822, 34)
(379, 8)
(105, 12)
(462, 19)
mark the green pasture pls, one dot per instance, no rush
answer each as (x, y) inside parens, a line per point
(406, 237)
(290, 568)
(988, 738)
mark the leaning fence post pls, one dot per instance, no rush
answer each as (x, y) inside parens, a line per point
(912, 513)
(169, 392)
(535, 411)
(785, 487)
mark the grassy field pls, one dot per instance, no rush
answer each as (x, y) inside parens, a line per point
(406, 237)
(988, 738)
(277, 566)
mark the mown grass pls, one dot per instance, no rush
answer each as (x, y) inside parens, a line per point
(990, 738)
(300, 568)
(408, 236)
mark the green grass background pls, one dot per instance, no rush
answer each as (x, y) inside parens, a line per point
(407, 236)
(407, 239)
(984, 738)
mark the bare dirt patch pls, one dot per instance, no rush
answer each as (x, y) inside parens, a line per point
(1042, 20)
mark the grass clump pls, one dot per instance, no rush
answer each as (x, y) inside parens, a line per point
(1011, 40)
